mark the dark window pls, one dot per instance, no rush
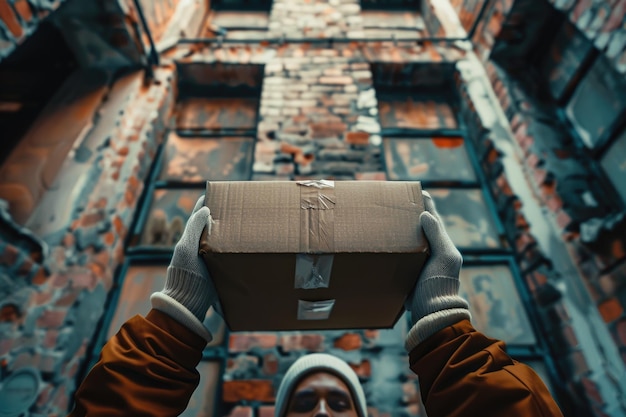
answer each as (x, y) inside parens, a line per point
(401, 111)
(495, 303)
(597, 104)
(391, 4)
(423, 141)
(29, 77)
(467, 217)
(614, 165)
(213, 139)
(238, 19)
(561, 65)
(428, 159)
(567, 103)
(242, 5)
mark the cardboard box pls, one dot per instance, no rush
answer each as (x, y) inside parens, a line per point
(313, 254)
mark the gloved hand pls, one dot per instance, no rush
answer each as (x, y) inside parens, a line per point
(435, 302)
(189, 291)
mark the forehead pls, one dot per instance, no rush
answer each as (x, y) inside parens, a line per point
(322, 380)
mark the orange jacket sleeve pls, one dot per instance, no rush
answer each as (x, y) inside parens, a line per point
(147, 369)
(464, 373)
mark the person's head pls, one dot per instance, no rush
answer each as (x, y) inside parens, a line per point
(320, 385)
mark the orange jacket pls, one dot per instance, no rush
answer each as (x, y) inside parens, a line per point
(462, 372)
(149, 369)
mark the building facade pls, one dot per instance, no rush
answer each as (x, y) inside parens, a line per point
(510, 112)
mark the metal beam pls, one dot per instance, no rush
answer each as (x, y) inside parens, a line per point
(153, 57)
(280, 41)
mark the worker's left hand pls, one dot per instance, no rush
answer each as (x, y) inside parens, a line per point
(188, 283)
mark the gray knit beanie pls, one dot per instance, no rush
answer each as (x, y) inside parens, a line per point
(317, 362)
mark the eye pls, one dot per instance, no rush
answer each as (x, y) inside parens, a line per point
(339, 402)
(303, 403)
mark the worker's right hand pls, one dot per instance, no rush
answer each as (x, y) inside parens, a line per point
(435, 302)
(189, 291)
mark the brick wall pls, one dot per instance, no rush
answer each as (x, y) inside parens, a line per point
(317, 114)
(54, 297)
(20, 18)
(318, 117)
(56, 285)
(592, 233)
(586, 254)
(299, 19)
(527, 222)
(119, 25)
(602, 22)
(489, 26)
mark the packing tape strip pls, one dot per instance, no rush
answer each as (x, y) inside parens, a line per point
(313, 271)
(315, 310)
(317, 226)
(317, 234)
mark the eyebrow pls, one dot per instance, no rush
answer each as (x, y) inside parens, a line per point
(339, 392)
(332, 391)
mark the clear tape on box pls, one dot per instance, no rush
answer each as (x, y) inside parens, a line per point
(315, 310)
(317, 236)
(313, 271)
(320, 184)
(315, 263)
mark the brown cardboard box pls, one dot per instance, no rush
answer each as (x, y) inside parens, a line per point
(313, 254)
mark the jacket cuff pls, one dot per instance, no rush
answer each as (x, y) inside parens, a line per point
(189, 289)
(432, 323)
(180, 313)
(436, 294)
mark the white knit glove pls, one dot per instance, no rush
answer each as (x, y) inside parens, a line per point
(435, 302)
(189, 291)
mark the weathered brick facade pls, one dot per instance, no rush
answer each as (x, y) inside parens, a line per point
(57, 295)
(78, 186)
(589, 223)
(18, 19)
